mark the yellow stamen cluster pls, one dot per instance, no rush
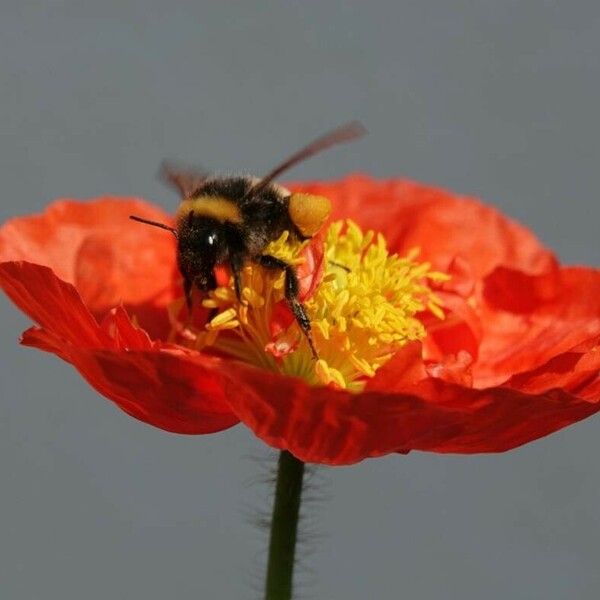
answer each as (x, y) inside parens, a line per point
(362, 313)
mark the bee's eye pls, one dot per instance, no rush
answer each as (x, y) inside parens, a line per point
(210, 243)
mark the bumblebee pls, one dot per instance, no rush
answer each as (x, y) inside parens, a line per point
(230, 220)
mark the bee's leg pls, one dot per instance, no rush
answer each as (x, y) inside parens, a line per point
(291, 295)
(236, 263)
(340, 266)
(187, 291)
(205, 284)
(209, 283)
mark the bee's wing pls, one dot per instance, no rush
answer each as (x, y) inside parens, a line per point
(188, 181)
(339, 135)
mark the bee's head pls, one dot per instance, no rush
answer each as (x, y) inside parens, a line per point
(202, 244)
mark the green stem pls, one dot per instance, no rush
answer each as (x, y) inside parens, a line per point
(284, 527)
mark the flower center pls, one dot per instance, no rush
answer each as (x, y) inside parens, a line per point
(362, 311)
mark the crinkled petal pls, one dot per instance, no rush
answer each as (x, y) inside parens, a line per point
(528, 406)
(324, 425)
(178, 392)
(55, 305)
(123, 333)
(110, 259)
(576, 371)
(500, 418)
(443, 225)
(526, 320)
(162, 385)
(310, 272)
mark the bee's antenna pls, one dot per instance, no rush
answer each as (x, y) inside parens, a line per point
(154, 224)
(344, 133)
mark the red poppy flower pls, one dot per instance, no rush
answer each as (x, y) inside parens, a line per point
(516, 357)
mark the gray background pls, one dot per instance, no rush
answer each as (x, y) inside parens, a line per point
(492, 98)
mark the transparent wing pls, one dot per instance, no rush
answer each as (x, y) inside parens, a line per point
(186, 180)
(340, 135)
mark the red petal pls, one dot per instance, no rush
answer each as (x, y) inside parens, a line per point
(529, 406)
(528, 320)
(108, 257)
(323, 425)
(576, 371)
(407, 364)
(55, 305)
(160, 385)
(443, 225)
(35, 337)
(310, 272)
(329, 426)
(124, 334)
(404, 409)
(453, 368)
(460, 331)
(177, 392)
(500, 419)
